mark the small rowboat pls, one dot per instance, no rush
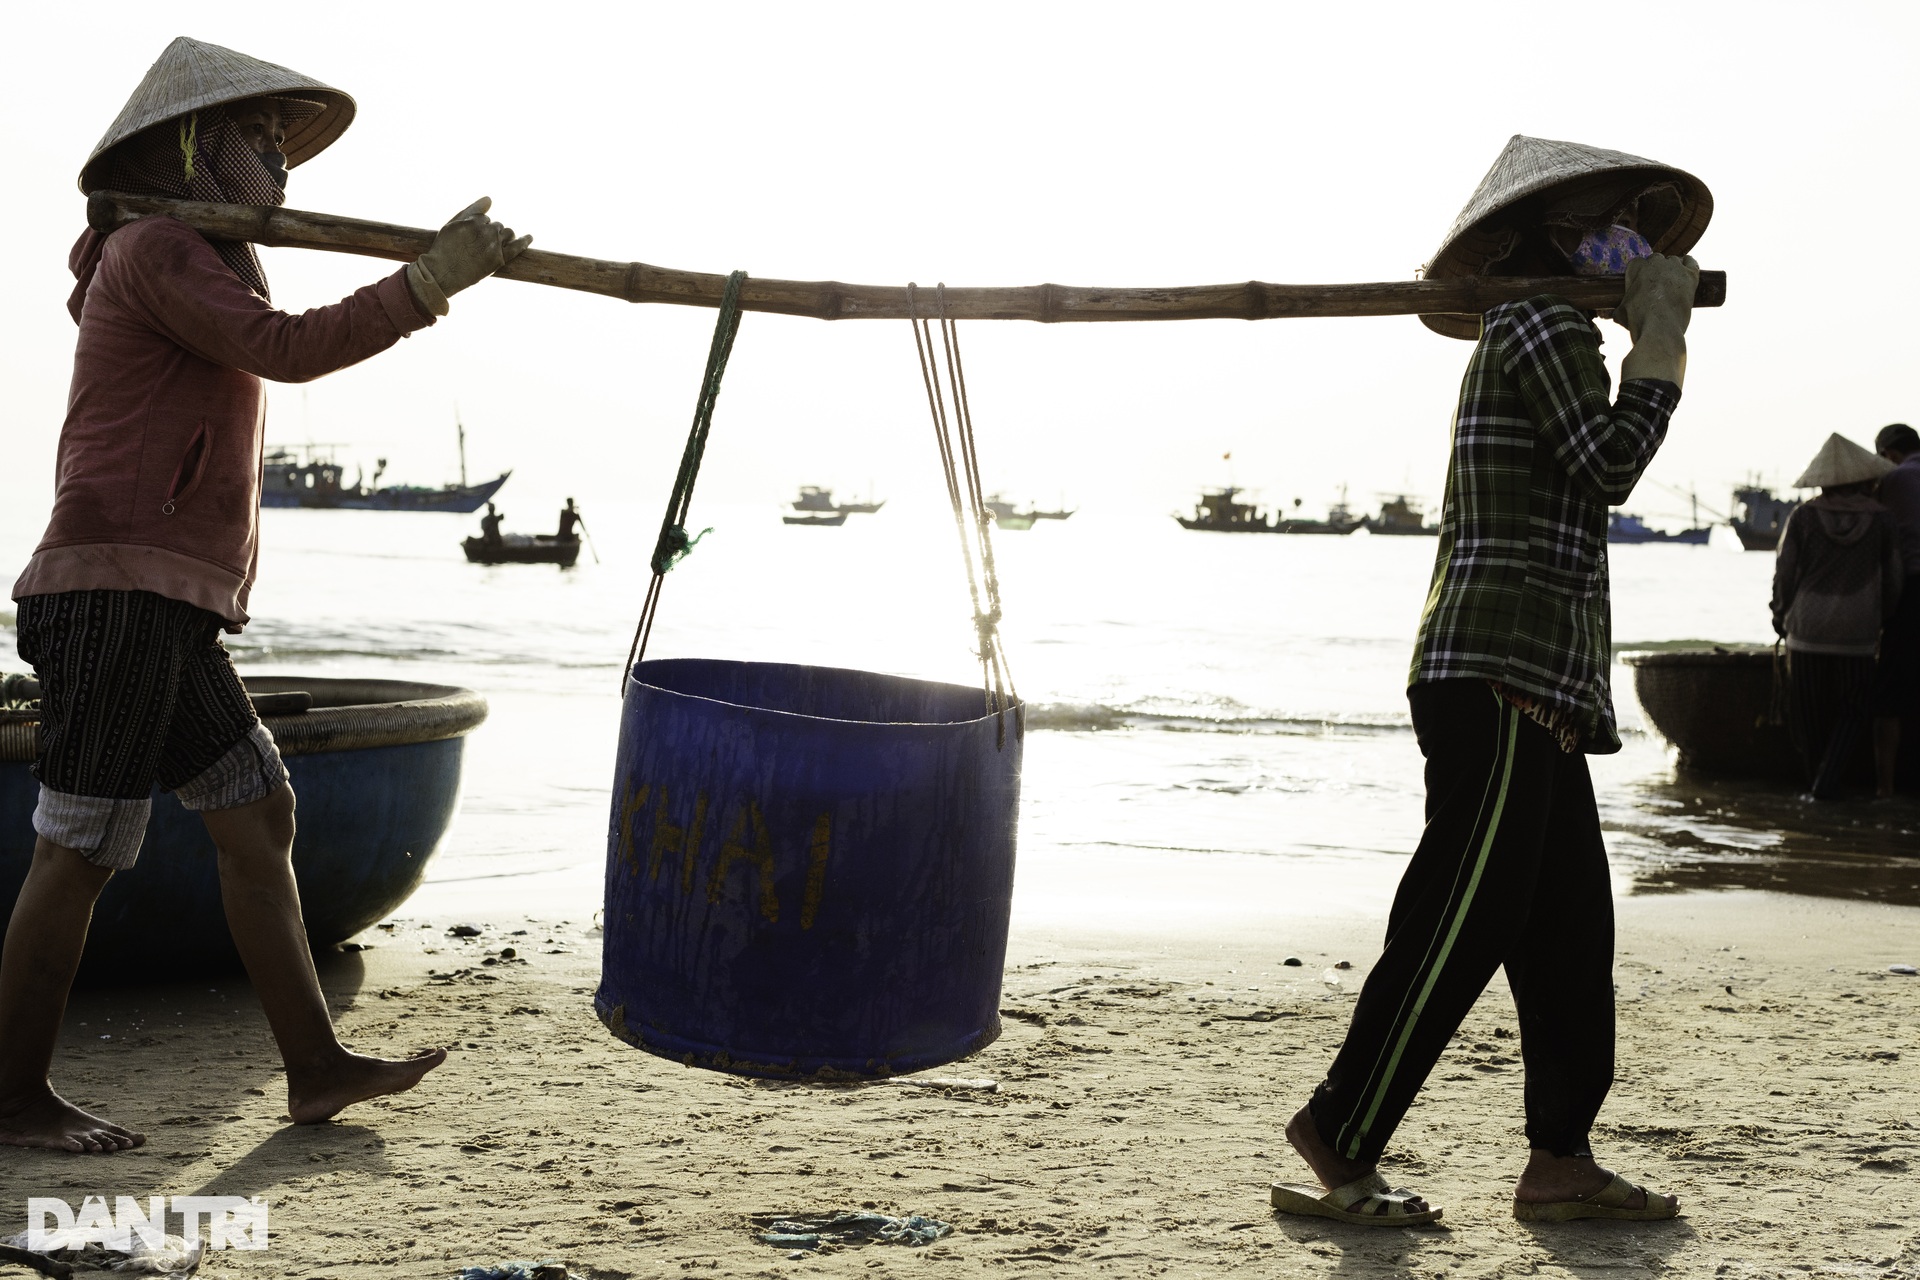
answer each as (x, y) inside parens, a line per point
(376, 767)
(1715, 704)
(523, 548)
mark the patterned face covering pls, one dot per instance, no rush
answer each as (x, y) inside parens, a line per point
(204, 156)
(1607, 253)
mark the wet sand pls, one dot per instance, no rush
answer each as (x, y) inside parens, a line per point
(1767, 1077)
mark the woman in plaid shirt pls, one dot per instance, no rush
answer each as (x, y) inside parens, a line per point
(1508, 688)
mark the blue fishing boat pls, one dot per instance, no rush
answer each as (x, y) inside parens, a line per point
(308, 476)
(376, 765)
(1623, 528)
(1762, 516)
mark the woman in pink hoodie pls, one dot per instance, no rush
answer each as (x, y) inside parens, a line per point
(151, 552)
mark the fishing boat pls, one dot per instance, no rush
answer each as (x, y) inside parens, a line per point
(817, 500)
(1340, 519)
(1221, 511)
(1007, 515)
(523, 548)
(833, 521)
(309, 476)
(1400, 517)
(1623, 528)
(1761, 517)
(376, 764)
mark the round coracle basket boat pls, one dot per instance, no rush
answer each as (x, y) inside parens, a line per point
(375, 765)
(1716, 704)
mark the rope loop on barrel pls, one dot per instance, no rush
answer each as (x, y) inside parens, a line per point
(674, 544)
(960, 463)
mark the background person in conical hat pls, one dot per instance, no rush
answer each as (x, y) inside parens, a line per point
(151, 552)
(1896, 686)
(1836, 580)
(1508, 687)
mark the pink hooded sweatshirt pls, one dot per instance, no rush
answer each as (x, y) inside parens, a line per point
(157, 484)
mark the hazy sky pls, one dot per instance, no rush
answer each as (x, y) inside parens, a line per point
(1010, 144)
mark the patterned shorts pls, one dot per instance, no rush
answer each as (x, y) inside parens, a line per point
(136, 690)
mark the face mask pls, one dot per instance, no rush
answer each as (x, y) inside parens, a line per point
(276, 166)
(1607, 253)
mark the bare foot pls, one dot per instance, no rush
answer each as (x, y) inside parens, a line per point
(49, 1120)
(1551, 1179)
(314, 1096)
(1329, 1166)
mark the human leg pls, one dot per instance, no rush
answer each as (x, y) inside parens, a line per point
(1560, 970)
(262, 901)
(1490, 774)
(1886, 754)
(1896, 685)
(44, 940)
(223, 763)
(107, 662)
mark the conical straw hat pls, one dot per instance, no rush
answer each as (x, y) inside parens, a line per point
(1841, 461)
(192, 75)
(1532, 174)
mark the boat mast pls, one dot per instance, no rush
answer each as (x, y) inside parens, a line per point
(462, 429)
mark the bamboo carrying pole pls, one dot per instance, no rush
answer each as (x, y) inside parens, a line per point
(831, 300)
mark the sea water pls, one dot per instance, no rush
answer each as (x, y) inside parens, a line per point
(1218, 722)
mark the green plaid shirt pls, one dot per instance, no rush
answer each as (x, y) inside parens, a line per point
(1520, 583)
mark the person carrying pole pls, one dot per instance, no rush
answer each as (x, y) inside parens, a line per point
(1508, 687)
(152, 550)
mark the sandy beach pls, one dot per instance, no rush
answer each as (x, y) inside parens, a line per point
(1133, 1124)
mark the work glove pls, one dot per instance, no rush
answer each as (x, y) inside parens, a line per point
(1657, 306)
(468, 249)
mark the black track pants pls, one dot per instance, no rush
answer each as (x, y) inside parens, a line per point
(1509, 871)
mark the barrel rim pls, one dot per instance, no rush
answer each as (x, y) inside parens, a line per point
(633, 679)
(398, 713)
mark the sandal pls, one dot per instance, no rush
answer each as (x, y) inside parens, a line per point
(1609, 1201)
(1366, 1201)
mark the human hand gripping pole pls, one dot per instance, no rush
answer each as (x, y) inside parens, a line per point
(1656, 308)
(467, 250)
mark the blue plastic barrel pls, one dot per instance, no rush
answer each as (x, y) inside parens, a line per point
(809, 870)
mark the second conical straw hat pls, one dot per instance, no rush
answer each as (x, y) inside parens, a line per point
(1541, 172)
(1841, 461)
(192, 75)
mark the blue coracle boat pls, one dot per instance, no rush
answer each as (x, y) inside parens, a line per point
(376, 765)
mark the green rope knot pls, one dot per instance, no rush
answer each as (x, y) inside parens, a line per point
(675, 546)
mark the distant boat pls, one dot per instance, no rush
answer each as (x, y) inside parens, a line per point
(1221, 511)
(1340, 519)
(833, 521)
(1007, 515)
(524, 548)
(1399, 517)
(813, 498)
(1762, 516)
(1622, 527)
(308, 476)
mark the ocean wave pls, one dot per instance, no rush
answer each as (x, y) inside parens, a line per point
(1093, 717)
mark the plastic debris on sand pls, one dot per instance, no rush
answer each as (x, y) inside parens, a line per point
(801, 1231)
(170, 1256)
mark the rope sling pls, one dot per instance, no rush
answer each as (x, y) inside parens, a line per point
(673, 544)
(955, 438)
(959, 463)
